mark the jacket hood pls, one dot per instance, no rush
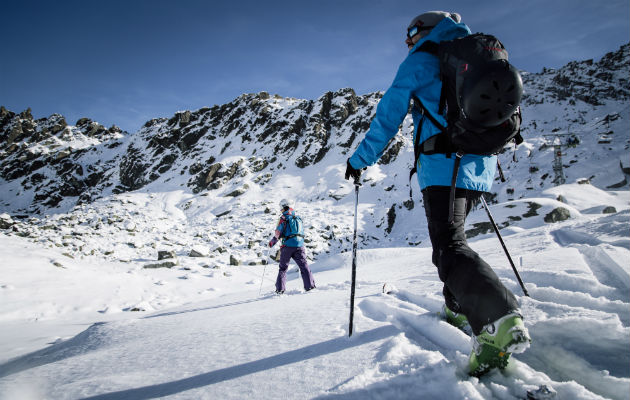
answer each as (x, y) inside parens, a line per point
(447, 29)
(290, 211)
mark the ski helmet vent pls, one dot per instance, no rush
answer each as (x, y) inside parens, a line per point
(490, 101)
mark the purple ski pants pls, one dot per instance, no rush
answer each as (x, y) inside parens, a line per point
(298, 254)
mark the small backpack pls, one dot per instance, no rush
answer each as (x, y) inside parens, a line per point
(481, 93)
(294, 227)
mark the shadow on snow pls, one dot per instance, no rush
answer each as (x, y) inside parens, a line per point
(237, 371)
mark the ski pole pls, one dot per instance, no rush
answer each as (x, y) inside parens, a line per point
(354, 255)
(263, 275)
(496, 230)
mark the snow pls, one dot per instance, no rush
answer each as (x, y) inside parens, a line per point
(82, 317)
(67, 329)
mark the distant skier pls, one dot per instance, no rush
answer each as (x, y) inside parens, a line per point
(472, 291)
(291, 231)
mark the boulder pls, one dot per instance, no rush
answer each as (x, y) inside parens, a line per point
(6, 221)
(198, 251)
(165, 254)
(165, 264)
(557, 215)
(479, 228)
(238, 191)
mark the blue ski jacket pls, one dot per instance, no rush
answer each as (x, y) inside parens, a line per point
(282, 231)
(419, 75)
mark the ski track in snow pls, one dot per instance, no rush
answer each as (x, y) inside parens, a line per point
(242, 345)
(566, 347)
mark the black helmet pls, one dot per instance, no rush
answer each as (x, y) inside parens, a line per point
(491, 100)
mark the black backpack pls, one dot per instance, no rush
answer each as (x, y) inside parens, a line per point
(480, 97)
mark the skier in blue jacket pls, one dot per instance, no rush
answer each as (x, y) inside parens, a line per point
(474, 295)
(292, 248)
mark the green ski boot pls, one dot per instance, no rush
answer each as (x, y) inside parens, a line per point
(493, 346)
(457, 320)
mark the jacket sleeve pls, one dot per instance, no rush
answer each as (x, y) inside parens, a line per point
(391, 111)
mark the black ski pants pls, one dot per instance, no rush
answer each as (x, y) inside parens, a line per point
(471, 287)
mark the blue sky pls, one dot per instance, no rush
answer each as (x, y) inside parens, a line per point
(125, 62)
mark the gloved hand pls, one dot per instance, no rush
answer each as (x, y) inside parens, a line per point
(273, 241)
(351, 172)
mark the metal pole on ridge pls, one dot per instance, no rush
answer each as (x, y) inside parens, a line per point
(496, 230)
(354, 255)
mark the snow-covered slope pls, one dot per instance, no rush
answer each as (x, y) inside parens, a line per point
(246, 345)
(87, 309)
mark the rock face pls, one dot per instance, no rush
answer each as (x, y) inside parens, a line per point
(48, 164)
(590, 82)
(56, 162)
(53, 161)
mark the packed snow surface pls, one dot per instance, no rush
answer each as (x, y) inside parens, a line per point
(69, 330)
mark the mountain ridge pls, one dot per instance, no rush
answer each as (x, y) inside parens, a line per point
(88, 160)
(221, 158)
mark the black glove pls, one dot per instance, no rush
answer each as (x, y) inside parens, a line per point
(351, 172)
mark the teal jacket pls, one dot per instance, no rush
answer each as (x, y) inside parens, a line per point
(282, 231)
(419, 75)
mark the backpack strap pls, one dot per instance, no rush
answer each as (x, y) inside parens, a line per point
(416, 152)
(434, 49)
(428, 146)
(283, 235)
(429, 47)
(451, 197)
(435, 144)
(418, 103)
(438, 143)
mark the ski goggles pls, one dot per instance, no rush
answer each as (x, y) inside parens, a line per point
(414, 30)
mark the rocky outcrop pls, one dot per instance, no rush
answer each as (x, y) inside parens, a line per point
(49, 163)
(558, 214)
(587, 81)
(53, 160)
(44, 155)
